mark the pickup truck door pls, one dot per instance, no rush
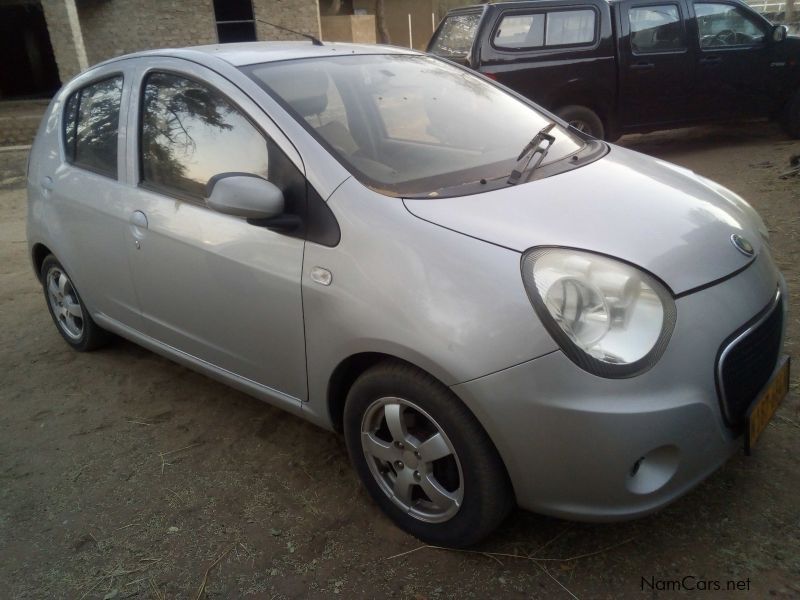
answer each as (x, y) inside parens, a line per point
(733, 61)
(656, 62)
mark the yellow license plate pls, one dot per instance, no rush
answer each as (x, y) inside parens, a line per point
(760, 412)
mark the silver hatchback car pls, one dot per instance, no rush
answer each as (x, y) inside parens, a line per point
(495, 309)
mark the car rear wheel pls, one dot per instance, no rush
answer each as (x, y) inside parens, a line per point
(70, 315)
(791, 116)
(583, 119)
(423, 457)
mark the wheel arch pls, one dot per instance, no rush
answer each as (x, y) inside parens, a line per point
(38, 253)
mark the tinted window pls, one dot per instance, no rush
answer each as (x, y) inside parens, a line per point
(190, 132)
(413, 125)
(558, 28)
(456, 35)
(91, 124)
(570, 27)
(726, 25)
(520, 31)
(656, 28)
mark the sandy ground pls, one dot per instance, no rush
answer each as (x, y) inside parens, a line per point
(123, 475)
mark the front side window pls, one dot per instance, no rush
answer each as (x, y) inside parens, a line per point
(656, 29)
(191, 132)
(536, 30)
(91, 125)
(456, 35)
(720, 25)
(409, 125)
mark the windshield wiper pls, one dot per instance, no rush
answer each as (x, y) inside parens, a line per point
(536, 149)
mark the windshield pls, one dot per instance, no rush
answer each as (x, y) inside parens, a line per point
(409, 125)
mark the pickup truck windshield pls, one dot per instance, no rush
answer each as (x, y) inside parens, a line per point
(409, 125)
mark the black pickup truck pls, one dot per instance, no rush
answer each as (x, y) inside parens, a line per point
(611, 67)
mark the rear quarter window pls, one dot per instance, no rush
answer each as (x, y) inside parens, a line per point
(541, 29)
(91, 125)
(456, 35)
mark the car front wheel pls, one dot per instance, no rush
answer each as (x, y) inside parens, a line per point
(423, 457)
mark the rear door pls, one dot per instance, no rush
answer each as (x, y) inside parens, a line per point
(656, 64)
(733, 61)
(88, 193)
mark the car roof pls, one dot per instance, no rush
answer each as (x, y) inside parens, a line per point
(249, 53)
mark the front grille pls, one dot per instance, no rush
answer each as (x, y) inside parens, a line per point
(747, 360)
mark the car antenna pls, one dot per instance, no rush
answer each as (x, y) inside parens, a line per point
(314, 40)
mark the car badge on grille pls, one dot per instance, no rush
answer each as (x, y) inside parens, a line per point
(742, 245)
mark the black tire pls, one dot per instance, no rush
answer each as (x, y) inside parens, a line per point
(90, 336)
(583, 119)
(487, 492)
(791, 116)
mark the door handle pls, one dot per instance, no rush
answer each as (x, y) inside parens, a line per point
(711, 60)
(139, 219)
(642, 66)
(138, 227)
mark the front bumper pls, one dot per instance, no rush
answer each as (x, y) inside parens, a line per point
(588, 448)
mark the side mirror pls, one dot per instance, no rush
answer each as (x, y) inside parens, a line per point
(779, 33)
(246, 196)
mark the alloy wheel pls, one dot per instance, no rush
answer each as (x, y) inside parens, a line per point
(412, 459)
(64, 303)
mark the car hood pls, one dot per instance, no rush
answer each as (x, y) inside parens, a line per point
(663, 218)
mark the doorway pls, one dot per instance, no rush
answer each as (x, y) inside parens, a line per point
(29, 67)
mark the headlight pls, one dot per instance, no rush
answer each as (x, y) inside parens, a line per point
(610, 318)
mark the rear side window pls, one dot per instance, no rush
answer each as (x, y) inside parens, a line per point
(91, 125)
(537, 30)
(520, 31)
(456, 35)
(191, 132)
(656, 29)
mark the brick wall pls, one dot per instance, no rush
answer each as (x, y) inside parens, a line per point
(300, 15)
(111, 28)
(114, 27)
(68, 47)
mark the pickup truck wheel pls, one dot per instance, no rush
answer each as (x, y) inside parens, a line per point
(583, 119)
(791, 116)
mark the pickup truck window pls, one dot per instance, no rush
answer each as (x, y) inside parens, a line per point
(520, 31)
(570, 27)
(456, 35)
(656, 29)
(535, 30)
(720, 25)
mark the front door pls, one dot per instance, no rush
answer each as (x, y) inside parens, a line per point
(655, 64)
(733, 62)
(211, 285)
